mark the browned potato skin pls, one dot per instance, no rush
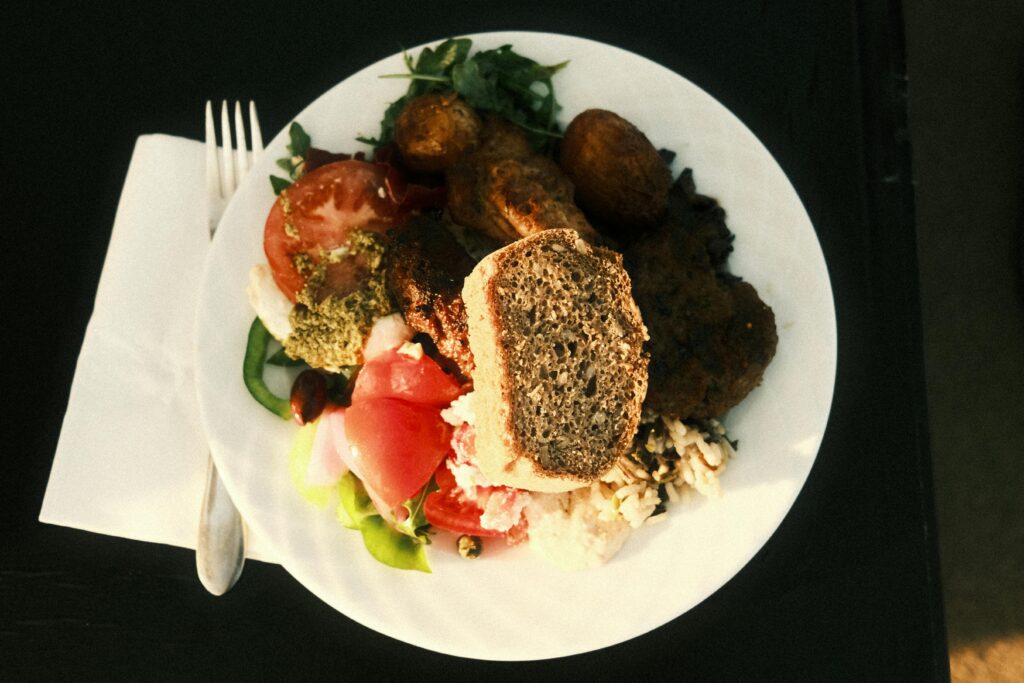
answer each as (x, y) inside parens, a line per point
(433, 131)
(620, 179)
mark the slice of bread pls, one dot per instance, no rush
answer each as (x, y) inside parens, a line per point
(560, 369)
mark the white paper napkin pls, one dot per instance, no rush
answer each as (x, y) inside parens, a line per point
(131, 458)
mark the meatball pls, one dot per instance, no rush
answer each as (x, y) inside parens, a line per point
(433, 131)
(621, 181)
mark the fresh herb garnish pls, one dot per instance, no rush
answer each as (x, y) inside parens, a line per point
(388, 544)
(293, 164)
(416, 524)
(281, 359)
(499, 81)
(279, 184)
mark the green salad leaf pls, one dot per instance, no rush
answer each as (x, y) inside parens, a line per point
(293, 164)
(499, 81)
(416, 525)
(392, 547)
(281, 359)
(397, 545)
(355, 504)
(387, 543)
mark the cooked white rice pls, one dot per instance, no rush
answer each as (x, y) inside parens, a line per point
(675, 456)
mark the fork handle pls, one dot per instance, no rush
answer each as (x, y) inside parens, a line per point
(220, 548)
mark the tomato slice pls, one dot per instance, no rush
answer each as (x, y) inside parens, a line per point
(449, 509)
(317, 213)
(396, 445)
(398, 375)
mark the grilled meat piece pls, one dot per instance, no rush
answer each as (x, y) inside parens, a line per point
(702, 217)
(711, 335)
(507, 191)
(426, 267)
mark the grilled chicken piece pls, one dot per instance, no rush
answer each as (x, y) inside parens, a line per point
(426, 267)
(507, 191)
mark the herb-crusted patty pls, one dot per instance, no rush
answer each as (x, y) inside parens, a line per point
(560, 374)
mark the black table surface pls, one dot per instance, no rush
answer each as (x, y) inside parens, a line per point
(848, 586)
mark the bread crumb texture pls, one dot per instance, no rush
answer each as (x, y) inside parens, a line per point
(569, 338)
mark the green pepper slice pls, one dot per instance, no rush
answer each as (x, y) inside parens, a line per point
(252, 372)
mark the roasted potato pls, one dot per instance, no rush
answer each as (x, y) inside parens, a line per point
(433, 131)
(621, 181)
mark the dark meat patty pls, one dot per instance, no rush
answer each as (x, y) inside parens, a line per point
(711, 335)
(426, 267)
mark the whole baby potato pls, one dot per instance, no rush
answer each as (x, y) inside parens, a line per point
(434, 130)
(620, 179)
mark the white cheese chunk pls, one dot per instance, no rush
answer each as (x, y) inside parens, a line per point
(269, 302)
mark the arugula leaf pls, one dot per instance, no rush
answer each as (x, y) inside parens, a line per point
(518, 88)
(416, 524)
(282, 359)
(500, 81)
(293, 164)
(299, 140)
(479, 88)
(279, 184)
(387, 124)
(440, 60)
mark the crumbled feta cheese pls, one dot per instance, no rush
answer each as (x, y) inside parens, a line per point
(503, 508)
(410, 350)
(568, 529)
(460, 411)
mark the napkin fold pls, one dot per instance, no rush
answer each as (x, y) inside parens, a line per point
(131, 458)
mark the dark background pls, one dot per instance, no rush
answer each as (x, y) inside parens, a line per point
(966, 65)
(847, 588)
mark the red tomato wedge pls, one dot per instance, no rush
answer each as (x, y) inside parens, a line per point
(317, 213)
(397, 375)
(396, 445)
(448, 509)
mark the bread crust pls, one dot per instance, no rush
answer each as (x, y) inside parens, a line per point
(504, 454)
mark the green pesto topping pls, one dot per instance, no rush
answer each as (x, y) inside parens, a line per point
(303, 263)
(286, 208)
(330, 333)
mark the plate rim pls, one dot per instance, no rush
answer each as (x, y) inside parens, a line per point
(510, 37)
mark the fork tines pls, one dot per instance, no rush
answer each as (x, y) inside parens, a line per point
(224, 174)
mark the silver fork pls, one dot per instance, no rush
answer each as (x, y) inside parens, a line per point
(220, 547)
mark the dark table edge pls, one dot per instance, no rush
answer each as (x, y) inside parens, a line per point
(891, 218)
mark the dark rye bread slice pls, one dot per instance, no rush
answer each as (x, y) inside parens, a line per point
(560, 369)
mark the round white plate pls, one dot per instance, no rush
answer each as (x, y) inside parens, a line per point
(510, 605)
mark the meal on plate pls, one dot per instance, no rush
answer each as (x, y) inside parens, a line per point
(501, 332)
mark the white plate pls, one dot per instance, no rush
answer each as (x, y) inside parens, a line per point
(509, 605)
